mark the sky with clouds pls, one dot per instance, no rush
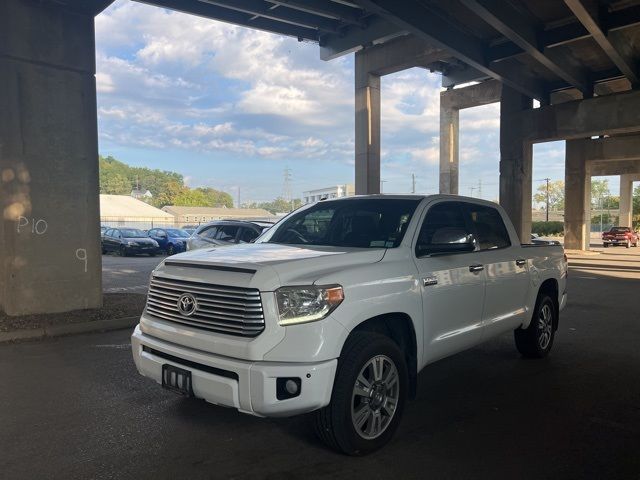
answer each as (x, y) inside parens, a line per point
(230, 107)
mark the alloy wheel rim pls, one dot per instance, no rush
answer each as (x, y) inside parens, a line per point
(374, 400)
(545, 326)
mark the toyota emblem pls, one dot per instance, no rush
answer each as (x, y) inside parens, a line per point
(187, 304)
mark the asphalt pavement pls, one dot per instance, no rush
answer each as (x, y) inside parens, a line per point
(75, 407)
(127, 274)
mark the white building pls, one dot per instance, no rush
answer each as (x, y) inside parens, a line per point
(337, 191)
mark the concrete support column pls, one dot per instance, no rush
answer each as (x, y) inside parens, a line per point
(516, 157)
(449, 146)
(49, 226)
(577, 207)
(626, 200)
(367, 132)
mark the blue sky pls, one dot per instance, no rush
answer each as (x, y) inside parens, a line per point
(230, 107)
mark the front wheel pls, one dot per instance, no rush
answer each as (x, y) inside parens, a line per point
(123, 251)
(369, 393)
(536, 340)
(170, 250)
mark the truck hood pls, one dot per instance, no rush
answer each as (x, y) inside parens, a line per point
(272, 265)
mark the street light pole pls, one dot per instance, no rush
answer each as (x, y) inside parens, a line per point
(547, 180)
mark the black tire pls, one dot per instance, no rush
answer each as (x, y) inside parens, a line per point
(152, 254)
(123, 251)
(104, 252)
(605, 245)
(529, 341)
(334, 424)
(170, 250)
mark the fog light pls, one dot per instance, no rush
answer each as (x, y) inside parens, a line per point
(291, 387)
(287, 388)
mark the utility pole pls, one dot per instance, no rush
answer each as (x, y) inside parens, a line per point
(413, 183)
(239, 204)
(471, 189)
(547, 180)
(382, 182)
(286, 188)
(479, 188)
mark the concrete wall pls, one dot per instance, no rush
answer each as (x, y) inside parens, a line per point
(48, 160)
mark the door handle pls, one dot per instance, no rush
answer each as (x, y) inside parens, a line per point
(426, 281)
(521, 262)
(476, 268)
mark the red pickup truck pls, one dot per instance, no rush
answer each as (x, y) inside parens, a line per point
(620, 236)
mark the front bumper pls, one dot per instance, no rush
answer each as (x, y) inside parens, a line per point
(248, 386)
(136, 249)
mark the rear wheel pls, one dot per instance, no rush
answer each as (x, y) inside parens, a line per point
(123, 251)
(170, 250)
(536, 340)
(368, 397)
(605, 245)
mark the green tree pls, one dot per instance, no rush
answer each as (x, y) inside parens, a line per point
(556, 195)
(168, 195)
(216, 198)
(279, 205)
(599, 191)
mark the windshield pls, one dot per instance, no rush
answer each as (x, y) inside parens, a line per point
(620, 229)
(132, 233)
(364, 223)
(177, 233)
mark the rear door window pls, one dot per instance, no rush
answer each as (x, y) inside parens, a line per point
(209, 233)
(247, 235)
(227, 233)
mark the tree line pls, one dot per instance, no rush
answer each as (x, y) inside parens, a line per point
(601, 197)
(167, 188)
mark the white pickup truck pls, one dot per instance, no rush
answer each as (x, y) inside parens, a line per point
(339, 306)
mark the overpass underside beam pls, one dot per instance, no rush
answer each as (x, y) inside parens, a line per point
(49, 227)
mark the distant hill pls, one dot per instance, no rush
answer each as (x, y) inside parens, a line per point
(167, 188)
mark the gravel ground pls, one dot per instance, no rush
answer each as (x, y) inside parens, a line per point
(116, 305)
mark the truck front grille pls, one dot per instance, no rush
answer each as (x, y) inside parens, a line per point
(230, 310)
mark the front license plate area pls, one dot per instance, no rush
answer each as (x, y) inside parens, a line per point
(177, 380)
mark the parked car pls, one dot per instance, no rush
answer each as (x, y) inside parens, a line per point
(225, 232)
(128, 241)
(620, 236)
(170, 240)
(337, 308)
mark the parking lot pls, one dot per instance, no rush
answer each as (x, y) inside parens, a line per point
(75, 407)
(127, 274)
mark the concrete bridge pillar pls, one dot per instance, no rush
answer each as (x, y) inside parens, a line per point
(626, 200)
(367, 132)
(449, 145)
(516, 158)
(577, 204)
(50, 257)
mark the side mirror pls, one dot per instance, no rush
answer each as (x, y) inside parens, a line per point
(448, 240)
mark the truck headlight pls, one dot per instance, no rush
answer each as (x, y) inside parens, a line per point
(307, 304)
